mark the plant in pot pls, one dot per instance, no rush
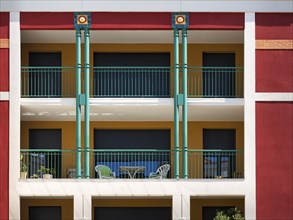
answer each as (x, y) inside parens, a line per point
(231, 214)
(23, 168)
(46, 173)
(23, 172)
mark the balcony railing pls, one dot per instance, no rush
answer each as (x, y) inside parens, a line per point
(131, 81)
(47, 82)
(203, 164)
(207, 164)
(215, 82)
(203, 82)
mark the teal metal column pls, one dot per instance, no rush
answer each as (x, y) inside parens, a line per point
(184, 110)
(176, 106)
(87, 98)
(78, 108)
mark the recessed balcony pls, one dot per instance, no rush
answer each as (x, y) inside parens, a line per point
(132, 82)
(133, 163)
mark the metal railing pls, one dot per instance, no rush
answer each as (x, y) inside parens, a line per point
(203, 82)
(202, 164)
(210, 164)
(57, 162)
(215, 82)
(47, 82)
(131, 82)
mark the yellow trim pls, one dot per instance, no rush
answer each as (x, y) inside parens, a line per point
(4, 43)
(274, 44)
(196, 205)
(66, 206)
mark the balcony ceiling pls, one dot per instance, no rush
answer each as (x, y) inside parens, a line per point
(132, 36)
(150, 109)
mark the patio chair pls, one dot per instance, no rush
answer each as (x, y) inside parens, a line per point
(104, 172)
(161, 173)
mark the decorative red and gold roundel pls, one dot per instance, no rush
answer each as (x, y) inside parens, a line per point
(82, 19)
(180, 19)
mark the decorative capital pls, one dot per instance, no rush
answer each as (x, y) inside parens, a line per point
(82, 20)
(180, 20)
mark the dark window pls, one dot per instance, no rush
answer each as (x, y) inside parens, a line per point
(132, 139)
(219, 80)
(209, 213)
(218, 163)
(45, 74)
(132, 74)
(48, 139)
(133, 213)
(45, 213)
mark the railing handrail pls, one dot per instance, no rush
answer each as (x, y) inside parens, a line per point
(48, 67)
(215, 67)
(46, 150)
(213, 151)
(128, 150)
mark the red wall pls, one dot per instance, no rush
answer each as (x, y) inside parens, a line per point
(46, 20)
(216, 21)
(4, 147)
(274, 70)
(271, 26)
(130, 21)
(4, 52)
(274, 160)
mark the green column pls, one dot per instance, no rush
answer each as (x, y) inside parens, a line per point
(184, 113)
(78, 109)
(176, 107)
(87, 107)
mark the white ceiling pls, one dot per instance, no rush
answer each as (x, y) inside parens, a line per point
(133, 110)
(131, 36)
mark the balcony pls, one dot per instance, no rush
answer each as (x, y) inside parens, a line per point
(132, 82)
(203, 164)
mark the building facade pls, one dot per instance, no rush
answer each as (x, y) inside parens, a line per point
(105, 95)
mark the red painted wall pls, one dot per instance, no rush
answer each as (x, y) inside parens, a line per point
(274, 163)
(46, 20)
(216, 21)
(131, 21)
(274, 70)
(4, 147)
(4, 52)
(4, 25)
(271, 26)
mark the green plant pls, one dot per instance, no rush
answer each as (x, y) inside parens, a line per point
(45, 170)
(23, 166)
(231, 214)
(35, 176)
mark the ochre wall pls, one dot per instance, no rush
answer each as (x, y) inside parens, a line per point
(197, 204)
(195, 129)
(66, 206)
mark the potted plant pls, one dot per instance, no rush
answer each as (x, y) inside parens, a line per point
(23, 172)
(231, 214)
(23, 168)
(46, 173)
